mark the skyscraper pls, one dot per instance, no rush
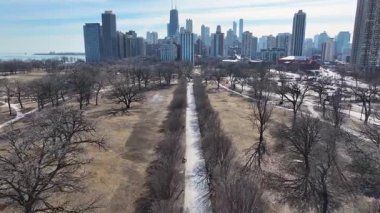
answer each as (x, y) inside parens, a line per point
(249, 45)
(121, 44)
(134, 46)
(152, 37)
(205, 35)
(271, 42)
(110, 50)
(234, 27)
(366, 41)
(283, 41)
(299, 25)
(92, 42)
(241, 28)
(328, 50)
(322, 38)
(187, 46)
(189, 25)
(173, 25)
(217, 50)
(308, 47)
(342, 42)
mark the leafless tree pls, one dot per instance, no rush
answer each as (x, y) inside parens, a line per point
(321, 87)
(8, 90)
(367, 96)
(262, 112)
(336, 103)
(147, 76)
(124, 92)
(19, 92)
(82, 81)
(45, 161)
(99, 83)
(302, 139)
(295, 93)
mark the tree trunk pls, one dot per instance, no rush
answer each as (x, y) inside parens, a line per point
(19, 101)
(9, 105)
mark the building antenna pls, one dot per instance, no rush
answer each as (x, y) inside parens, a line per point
(172, 4)
(175, 4)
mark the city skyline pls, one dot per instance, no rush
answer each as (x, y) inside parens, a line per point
(36, 31)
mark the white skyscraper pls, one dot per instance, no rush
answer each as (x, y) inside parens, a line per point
(328, 50)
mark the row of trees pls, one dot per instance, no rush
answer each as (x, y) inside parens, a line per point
(312, 175)
(123, 82)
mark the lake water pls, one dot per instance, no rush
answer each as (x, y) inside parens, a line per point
(30, 56)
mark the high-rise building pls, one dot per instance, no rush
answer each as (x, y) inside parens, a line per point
(308, 47)
(152, 37)
(217, 49)
(328, 50)
(168, 52)
(173, 25)
(366, 39)
(121, 44)
(249, 45)
(234, 27)
(230, 38)
(271, 42)
(187, 47)
(110, 50)
(322, 38)
(92, 42)
(342, 42)
(263, 43)
(316, 39)
(189, 25)
(299, 25)
(283, 41)
(241, 28)
(134, 46)
(205, 35)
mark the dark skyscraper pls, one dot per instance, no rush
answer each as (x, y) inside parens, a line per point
(110, 50)
(92, 42)
(173, 25)
(299, 25)
(218, 43)
(366, 40)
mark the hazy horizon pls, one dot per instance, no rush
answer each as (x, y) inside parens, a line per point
(47, 25)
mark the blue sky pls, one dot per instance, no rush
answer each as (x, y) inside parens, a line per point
(56, 25)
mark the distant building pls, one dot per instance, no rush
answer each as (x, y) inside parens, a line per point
(189, 25)
(153, 50)
(217, 49)
(110, 50)
(366, 39)
(283, 41)
(328, 50)
(241, 28)
(263, 43)
(295, 63)
(187, 47)
(151, 37)
(308, 47)
(230, 38)
(298, 35)
(272, 55)
(271, 42)
(173, 25)
(134, 46)
(121, 45)
(205, 35)
(234, 28)
(168, 52)
(248, 46)
(342, 42)
(92, 42)
(322, 38)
